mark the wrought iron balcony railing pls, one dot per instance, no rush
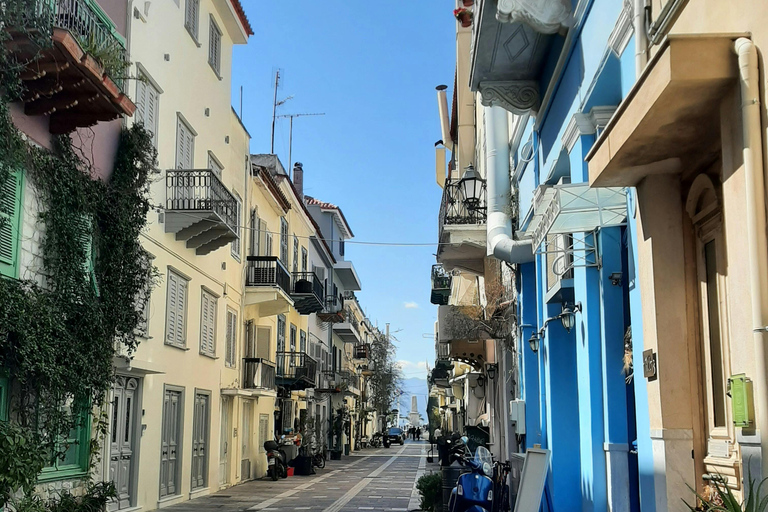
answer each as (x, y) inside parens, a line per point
(93, 30)
(362, 350)
(441, 285)
(295, 368)
(267, 271)
(456, 209)
(200, 190)
(349, 316)
(258, 373)
(307, 292)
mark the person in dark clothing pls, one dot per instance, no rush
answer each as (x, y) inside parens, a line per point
(418, 433)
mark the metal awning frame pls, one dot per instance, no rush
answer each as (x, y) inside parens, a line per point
(586, 255)
(607, 204)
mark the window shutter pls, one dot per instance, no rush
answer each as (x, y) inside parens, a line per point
(254, 234)
(263, 335)
(140, 116)
(236, 242)
(181, 311)
(10, 225)
(265, 251)
(151, 112)
(189, 150)
(181, 140)
(231, 337)
(171, 308)
(208, 324)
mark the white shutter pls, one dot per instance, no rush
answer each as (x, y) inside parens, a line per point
(263, 250)
(171, 308)
(140, 116)
(181, 140)
(189, 150)
(151, 112)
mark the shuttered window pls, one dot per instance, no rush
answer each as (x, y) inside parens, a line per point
(231, 351)
(253, 234)
(295, 254)
(185, 145)
(208, 324)
(214, 48)
(302, 341)
(10, 224)
(263, 431)
(147, 105)
(176, 310)
(192, 18)
(263, 337)
(236, 243)
(304, 259)
(214, 164)
(284, 241)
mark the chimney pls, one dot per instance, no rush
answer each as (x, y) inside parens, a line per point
(298, 179)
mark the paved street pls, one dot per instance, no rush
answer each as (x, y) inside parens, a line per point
(381, 479)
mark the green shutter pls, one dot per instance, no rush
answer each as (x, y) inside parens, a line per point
(3, 398)
(10, 224)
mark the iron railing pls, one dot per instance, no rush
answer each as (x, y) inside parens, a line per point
(296, 365)
(441, 279)
(305, 283)
(455, 209)
(267, 271)
(361, 351)
(94, 31)
(349, 316)
(443, 351)
(200, 190)
(258, 373)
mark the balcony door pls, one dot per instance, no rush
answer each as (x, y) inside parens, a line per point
(171, 442)
(200, 429)
(226, 415)
(245, 438)
(280, 344)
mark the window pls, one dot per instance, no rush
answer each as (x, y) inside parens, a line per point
(263, 431)
(176, 310)
(295, 254)
(293, 338)
(284, 241)
(192, 18)
(185, 145)
(147, 105)
(236, 242)
(341, 247)
(214, 164)
(281, 344)
(208, 324)
(214, 48)
(254, 234)
(10, 225)
(302, 341)
(304, 259)
(231, 352)
(74, 461)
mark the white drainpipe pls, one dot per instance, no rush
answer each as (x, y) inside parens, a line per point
(756, 235)
(641, 39)
(500, 242)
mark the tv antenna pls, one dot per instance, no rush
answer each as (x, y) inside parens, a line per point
(276, 104)
(290, 136)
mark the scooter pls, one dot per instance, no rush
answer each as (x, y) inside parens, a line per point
(474, 489)
(276, 467)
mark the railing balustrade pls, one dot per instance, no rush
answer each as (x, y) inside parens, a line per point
(306, 283)
(455, 209)
(267, 271)
(200, 190)
(258, 373)
(296, 365)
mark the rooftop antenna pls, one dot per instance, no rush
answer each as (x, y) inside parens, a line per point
(290, 137)
(276, 104)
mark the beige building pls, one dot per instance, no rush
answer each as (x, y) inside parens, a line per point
(690, 136)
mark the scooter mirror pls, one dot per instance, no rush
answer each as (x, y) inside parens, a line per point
(464, 439)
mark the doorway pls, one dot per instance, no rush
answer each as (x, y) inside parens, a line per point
(226, 414)
(122, 454)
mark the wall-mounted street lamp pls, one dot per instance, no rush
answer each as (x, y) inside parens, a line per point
(533, 341)
(471, 184)
(568, 316)
(490, 370)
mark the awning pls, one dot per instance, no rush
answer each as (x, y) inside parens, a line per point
(669, 121)
(575, 208)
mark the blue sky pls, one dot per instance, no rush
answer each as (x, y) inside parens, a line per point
(372, 67)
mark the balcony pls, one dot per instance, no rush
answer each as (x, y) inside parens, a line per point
(441, 286)
(333, 311)
(307, 293)
(466, 336)
(199, 209)
(268, 285)
(461, 229)
(76, 62)
(362, 351)
(349, 329)
(296, 371)
(511, 41)
(258, 374)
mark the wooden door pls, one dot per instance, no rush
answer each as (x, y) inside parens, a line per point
(171, 439)
(226, 407)
(121, 437)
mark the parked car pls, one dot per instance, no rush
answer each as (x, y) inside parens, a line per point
(396, 435)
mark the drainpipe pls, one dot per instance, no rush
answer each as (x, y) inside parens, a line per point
(641, 38)
(445, 117)
(756, 235)
(500, 242)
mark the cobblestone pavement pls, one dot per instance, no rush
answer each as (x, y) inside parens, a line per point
(383, 479)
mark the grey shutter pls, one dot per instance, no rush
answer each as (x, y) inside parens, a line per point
(189, 149)
(151, 112)
(254, 234)
(176, 310)
(181, 140)
(263, 239)
(140, 116)
(263, 335)
(170, 309)
(208, 324)
(231, 337)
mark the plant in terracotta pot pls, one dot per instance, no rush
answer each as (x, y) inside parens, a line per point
(464, 16)
(468, 3)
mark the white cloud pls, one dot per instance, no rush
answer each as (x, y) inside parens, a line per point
(410, 368)
(410, 305)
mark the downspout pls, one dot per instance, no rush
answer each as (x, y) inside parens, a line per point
(500, 242)
(641, 38)
(756, 235)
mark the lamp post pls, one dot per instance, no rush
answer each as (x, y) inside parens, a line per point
(471, 186)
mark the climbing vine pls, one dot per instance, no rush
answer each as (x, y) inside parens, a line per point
(59, 328)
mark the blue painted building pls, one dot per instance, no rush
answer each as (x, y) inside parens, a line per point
(560, 75)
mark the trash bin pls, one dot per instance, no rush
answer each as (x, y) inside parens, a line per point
(346, 449)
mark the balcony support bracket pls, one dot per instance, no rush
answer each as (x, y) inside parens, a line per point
(516, 96)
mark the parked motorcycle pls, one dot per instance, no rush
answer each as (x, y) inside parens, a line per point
(474, 491)
(276, 464)
(376, 440)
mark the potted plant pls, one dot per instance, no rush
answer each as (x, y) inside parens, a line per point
(468, 3)
(464, 16)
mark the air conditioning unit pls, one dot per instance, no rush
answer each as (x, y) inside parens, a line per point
(517, 415)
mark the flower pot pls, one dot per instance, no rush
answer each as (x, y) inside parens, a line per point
(468, 3)
(466, 21)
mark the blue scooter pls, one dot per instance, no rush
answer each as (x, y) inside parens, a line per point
(474, 489)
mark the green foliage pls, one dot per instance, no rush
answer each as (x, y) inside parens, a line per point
(59, 329)
(430, 489)
(95, 499)
(387, 376)
(109, 54)
(719, 497)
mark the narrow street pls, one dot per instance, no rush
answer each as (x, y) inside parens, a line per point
(380, 479)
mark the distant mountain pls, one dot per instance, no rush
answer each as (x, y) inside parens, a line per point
(418, 387)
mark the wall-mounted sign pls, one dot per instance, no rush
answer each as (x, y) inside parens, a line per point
(650, 370)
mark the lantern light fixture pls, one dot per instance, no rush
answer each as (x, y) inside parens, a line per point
(568, 316)
(490, 370)
(471, 185)
(533, 341)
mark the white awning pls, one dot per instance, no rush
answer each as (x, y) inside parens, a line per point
(575, 208)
